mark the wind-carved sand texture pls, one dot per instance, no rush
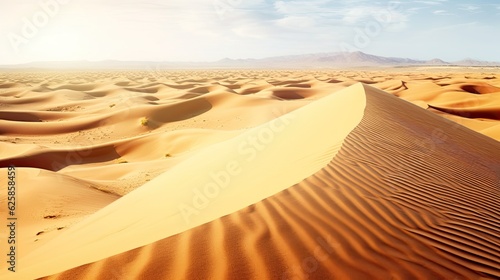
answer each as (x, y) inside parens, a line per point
(254, 174)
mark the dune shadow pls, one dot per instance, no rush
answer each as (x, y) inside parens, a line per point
(480, 89)
(55, 160)
(19, 117)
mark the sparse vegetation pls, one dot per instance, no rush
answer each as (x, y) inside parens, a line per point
(51, 217)
(144, 121)
(112, 105)
(168, 155)
(123, 161)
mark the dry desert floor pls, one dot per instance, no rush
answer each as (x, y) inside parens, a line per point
(355, 174)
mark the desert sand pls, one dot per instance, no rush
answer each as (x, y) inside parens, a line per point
(252, 174)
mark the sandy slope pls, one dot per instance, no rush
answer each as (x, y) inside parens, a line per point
(50, 203)
(408, 195)
(230, 175)
(391, 204)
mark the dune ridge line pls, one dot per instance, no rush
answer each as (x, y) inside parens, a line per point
(255, 165)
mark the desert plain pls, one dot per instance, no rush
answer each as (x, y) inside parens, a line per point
(253, 174)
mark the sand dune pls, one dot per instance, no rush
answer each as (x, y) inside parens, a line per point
(342, 189)
(274, 155)
(51, 203)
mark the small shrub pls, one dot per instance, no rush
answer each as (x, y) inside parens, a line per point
(144, 121)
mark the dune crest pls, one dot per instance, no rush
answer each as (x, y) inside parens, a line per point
(218, 181)
(408, 196)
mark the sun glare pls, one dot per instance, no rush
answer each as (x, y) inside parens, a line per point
(59, 43)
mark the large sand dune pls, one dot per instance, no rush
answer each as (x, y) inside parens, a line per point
(254, 175)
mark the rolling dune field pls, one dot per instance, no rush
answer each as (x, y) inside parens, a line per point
(253, 174)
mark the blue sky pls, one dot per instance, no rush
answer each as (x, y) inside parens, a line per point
(206, 30)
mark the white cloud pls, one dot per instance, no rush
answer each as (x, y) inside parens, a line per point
(390, 19)
(304, 7)
(357, 14)
(456, 27)
(442, 13)
(430, 2)
(470, 8)
(296, 22)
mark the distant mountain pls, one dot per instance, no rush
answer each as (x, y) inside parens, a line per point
(473, 62)
(347, 59)
(321, 60)
(437, 62)
(318, 60)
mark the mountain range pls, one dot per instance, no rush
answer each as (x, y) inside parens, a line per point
(318, 60)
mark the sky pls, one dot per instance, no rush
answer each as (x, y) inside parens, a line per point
(209, 30)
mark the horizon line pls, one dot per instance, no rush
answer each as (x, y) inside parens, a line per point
(236, 59)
